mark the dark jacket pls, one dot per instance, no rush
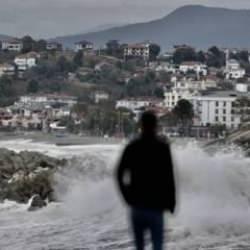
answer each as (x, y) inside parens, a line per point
(148, 163)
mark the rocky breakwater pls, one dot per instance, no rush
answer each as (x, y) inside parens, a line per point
(239, 138)
(27, 176)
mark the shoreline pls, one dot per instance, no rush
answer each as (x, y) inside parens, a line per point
(59, 140)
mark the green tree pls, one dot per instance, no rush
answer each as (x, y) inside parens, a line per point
(216, 58)
(154, 51)
(40, 45)
(7, 91)
(113, 48)
(64, 65)
(28, 44)
(184, 54)
(184, 111)
(159, 92)
(33, 86)
(78, 59)
(201, 57)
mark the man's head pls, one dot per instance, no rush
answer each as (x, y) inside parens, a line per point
(148, 123)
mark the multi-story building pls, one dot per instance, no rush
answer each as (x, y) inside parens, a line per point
(83, 46)
(48, 100)
(54, 46)
(100, 96)
(12, 45)
(182, 89)
(197, 67)
(137, 105)
(218, 108)
(7, 69)
(26, 61)
(138, 50)
(162, 66)
(233, 70)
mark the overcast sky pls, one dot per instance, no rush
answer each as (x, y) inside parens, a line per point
(50, 18)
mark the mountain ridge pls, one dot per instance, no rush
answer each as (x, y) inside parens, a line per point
(196, 25)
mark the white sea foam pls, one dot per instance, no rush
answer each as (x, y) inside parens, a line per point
(213, 197)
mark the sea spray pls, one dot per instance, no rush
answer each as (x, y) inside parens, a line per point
(213, 197)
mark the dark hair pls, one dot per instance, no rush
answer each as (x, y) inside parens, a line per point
(148, 121)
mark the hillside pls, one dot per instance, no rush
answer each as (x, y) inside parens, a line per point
(195, 25)
(2, 37)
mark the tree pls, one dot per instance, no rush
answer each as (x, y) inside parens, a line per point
(64, 65)
(7, 91)
(113, 48)
(216, 58)
(28, 44)
(215, 51)
(159, 92)
(154, 51)
(201, 57)
(184, 111)
(33, 86)
(78, 59)
(184, 54)
(40, 45)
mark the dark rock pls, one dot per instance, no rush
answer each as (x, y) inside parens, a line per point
(25, 174)
(37, 203)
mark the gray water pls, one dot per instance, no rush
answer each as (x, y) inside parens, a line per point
(213, 210)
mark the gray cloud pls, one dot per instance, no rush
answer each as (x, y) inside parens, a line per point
(50, 18)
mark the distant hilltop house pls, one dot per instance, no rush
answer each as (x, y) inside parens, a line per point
(54, 46)
(137, 50)
(7, 69)
(83, 46)
(100, 96)
(12, 45)
(233, 70)
(26, 61)
(197, 67)
(163, 66)
(137, 105)
(49, 100)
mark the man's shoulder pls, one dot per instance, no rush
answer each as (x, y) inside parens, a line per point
(134, 142)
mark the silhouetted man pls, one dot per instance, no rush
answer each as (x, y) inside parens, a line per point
(146, 180)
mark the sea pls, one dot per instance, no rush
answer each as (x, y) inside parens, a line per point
(213, 195)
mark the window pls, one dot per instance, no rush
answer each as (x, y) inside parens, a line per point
(224, 111)
(224, 104)
(216, 111)
(216, 118)
(216, 104)
(224, 119)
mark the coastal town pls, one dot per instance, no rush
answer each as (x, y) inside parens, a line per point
(102, 91)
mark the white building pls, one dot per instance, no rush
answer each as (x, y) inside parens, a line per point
(26, 61)
(100, 96)
(83, 45)
(183, 89)
(141, 50)
(233, 70)
(197, 67)
(12, 45)
(162, 66)
(7, 69)
(136, 105)
(48, 100)
(53, 46)
(217, 108)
